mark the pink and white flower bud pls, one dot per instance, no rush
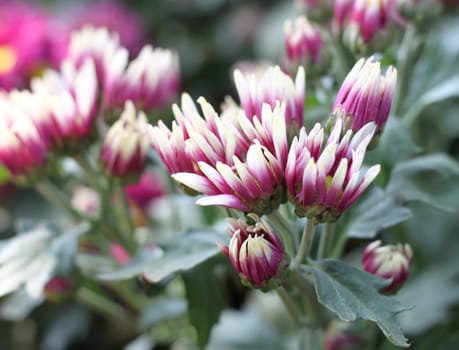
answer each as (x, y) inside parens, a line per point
(151, 80)
(342, 12)
(366, 95)
(125, 146)
(302, 41)
(22, 149)
(86, 201)
(255, 252)
(390, 262)
(58, 289)
(273, 87)
(323, 183)
(368, 18)
(66, 104)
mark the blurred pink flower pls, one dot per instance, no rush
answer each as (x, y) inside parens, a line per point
(119, 254)
(23, 43)
(146, 190)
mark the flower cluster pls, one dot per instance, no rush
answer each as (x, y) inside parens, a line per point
(150, 81)
(58, 114)
(33, 38)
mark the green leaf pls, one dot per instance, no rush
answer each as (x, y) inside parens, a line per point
(194, 249)
(402, 183)
(352, 293)
(182, 254)
(162, 309)
(205, 300)
(379, 210)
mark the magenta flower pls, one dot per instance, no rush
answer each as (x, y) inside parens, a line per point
(64, 105)
(273, 87)
(22, 149)
(255, 252)
(366, 94)
(125, 146)
(151, 80)
(368, 17)
(390, 262)
(302, 41)
(146, 190)
(23, 43)
(342, 12)
(324, 183)
(254, 186)
(58, 289)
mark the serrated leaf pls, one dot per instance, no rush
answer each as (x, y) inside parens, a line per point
(352, 293)
(205, 300)
(379, 210)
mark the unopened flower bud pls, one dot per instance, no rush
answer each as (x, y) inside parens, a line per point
(366, 95)
(390, 262)
(125, 146)
(58, 289)
(86, 201)
(255, 252)
(119, 254)
(302, 41)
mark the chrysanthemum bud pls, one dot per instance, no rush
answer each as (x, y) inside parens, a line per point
(255, 252)
(125, 146)
(365, 95)
(302, 41)
(324, 183)
(390, 261)
(58, 289)
(22, 149)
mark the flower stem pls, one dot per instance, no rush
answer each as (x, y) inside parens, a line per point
(124, 214)
(53, 195)
(343, 57)
(325, 238)
(407, 51)
(285, 233)
(91, 176)
(306, 242)
(289, 305)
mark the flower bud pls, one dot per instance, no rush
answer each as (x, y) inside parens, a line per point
(125, 146)
(302, 41)
(119, 254)
(390, 261)
(255, 252)
(86, 201)
(366, 95)
(58, 289)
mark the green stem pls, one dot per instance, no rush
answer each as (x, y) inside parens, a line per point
(90, 174)
(102, 304)
(306, 242)
(343, 57)
(282, 228)
(124, 214)
(339, 246)
(53, 195)
(405, 58)
(290, 305)
(325, 238)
